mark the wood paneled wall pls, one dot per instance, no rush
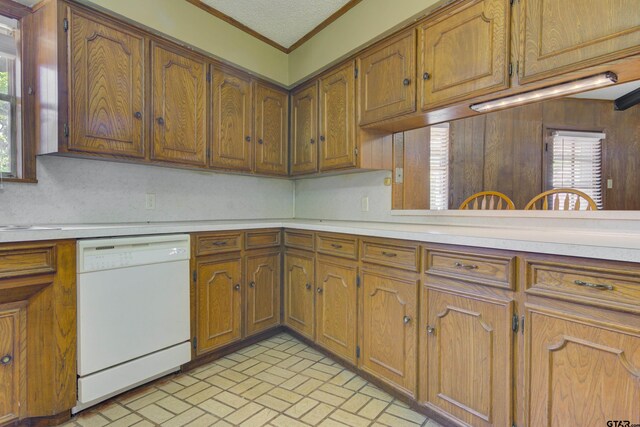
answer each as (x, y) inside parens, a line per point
(504, 151)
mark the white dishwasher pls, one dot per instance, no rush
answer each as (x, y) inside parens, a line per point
(133, 313)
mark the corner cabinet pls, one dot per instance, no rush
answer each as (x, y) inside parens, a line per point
(304, 130)
(464, 53)
(271, 129)
(299, 289)
(263, 292)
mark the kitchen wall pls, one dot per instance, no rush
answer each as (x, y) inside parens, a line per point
(92, 191)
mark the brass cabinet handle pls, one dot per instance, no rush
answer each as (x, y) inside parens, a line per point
(321, 138)
(138, 115)
(237, 287)
(336, 246)
(319, 290)
(247, 138)
(465, 266)
(431, 330)
(220, 243)
(426, 76)
(389, 254)
(252, 284)
(406, 319)
(406, 82)
(160, 121)
(260, 141)
(308, 286)
(598, 286)
(312, 141)
(6, 359)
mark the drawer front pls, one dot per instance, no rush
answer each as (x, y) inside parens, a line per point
(403, 255)
(599, 286)
(27, 260)
(262, 239)
(338, 245)
(207, 244)
(299, 239)
(498, 271)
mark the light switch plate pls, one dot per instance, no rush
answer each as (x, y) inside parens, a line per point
(365, 204)
(150, 201)
(609, 183)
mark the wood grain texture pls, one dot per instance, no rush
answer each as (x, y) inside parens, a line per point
(12, 370)
(304, 130)
(469, 357)
(231, 142)
(561, 199)
(219, 302)
(389, 327)
(299, 289)
(336, 302)
(215, 243)
(386, 79)
(487, 200)
(465, 54)
(179, 131)
(271, 130)
(107, 88)
(262, 309)
(391, 253)
(256, 239)
(299, 239)
(560, 35)
(26, 260)
(340, 245)
(337, 119)
(14, 9)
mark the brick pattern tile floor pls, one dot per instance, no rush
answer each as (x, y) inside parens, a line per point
(278, 382)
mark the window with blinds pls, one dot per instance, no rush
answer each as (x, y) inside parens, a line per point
(9, 106)
(439, 167)
(576, 162)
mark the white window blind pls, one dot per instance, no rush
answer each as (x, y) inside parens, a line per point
(439, 167)
(577, 163)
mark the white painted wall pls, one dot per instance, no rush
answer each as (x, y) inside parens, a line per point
(75, 191)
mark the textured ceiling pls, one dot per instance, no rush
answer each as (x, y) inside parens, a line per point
(283, 21)
(28, 2)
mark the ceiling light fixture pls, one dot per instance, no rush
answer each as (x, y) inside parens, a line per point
(563, 89)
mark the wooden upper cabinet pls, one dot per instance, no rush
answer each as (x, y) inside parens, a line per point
(580, 372)
(179, 82)
(389, 328)
(336, 306)
(299, 280)
(271, 130)
(469, 358)
(106, 88)
(231, 144)
(219, 303)
(12, 358)
(386, 81)
(464, 54)
(565, 35)
(304, 130)
(337, 119)
(263, 292)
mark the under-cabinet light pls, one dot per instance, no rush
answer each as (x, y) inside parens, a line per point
(569, 88)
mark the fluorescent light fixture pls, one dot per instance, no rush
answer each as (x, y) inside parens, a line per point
(563, 89)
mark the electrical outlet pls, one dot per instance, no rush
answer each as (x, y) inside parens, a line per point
(150, 201)
(365, 204)
(609, 183)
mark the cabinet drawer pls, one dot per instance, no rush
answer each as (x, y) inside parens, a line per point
(338, 245)
(299, 239)
(207, 244)
(402, 255)
(27, 260)
(596, 285)
(488, 270)
(261, 239)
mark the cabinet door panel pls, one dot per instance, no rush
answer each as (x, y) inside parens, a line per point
(387, 80)
(304, 130)
(219, 302)
(389, 330)
(580, 373)
(337, 119)
(179, 108)
(272, 124)
(232, 147)
(465, 54)
(564, 35)
(469, 358)
(336, 307)
(299, 280)
(263, 293)
(12, 346)
(106, 93)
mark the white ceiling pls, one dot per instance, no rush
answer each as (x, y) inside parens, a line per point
(283, 21)
(29, 2)
(609, 93)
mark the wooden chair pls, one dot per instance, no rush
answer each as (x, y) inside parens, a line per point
(488, 200)
(551, 200)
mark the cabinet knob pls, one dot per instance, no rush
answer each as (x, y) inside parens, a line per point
(260, 141)
(406, 82)
(319, 290)
(138, 115)
(406, 319)
(431, 330)
(321, 138)
(308, 286)
(247, 138)
(237, 287)
(5, 360)
(426, 76)
(160, 121)
(252, 284)
(312, 141)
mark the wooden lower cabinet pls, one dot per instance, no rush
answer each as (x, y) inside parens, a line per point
(12, 360)
(263, 291)
(467, 358)
(299, 289)
(580, 372)
(219, 302)
(336, 302)
(389, 325)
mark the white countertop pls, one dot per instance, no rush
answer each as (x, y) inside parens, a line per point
(612, 245)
